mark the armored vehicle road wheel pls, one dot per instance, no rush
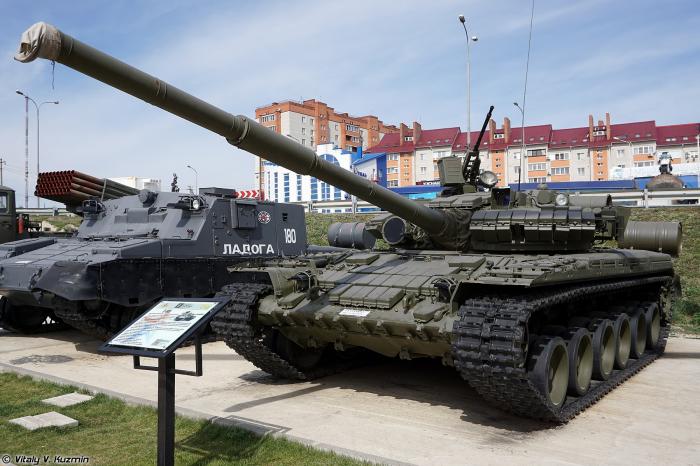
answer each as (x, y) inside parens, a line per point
(603, 349)
(653, 317)
(549, 369)
(623, 340)
(580, 348)
(638, 334)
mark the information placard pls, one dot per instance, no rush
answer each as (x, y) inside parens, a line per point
(164, 326)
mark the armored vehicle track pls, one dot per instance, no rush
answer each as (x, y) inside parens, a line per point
(495, 351)
(266, 348)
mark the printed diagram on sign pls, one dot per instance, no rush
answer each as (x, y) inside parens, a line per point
(163, 324)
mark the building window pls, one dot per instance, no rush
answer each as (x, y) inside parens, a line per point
(561, 156)
(423, 170)
(311, 120)
(537, 179)
(392, 183)
(536, 166)
(392, 170)
(352, 128)
(286, 187)
(581, 171)
(560, 170)
(440, 154)
(276, 188)
(303, 130)
(298, 188)
(579, 155)
(647, 163)
(535, 152)
(303, 142)
(268, 117)
(314, 189)
(498, 135)
(408, 138)
(620, 152)
(336, 127)
(644, 150)
(393, 157)
(303, 119)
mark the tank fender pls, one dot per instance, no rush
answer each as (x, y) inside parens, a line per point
(71, 280)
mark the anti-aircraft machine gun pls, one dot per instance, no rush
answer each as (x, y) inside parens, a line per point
(511, 293)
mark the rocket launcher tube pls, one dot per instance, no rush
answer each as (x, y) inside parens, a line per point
(45, 41)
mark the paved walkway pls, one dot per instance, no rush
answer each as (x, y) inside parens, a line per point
(411, 412)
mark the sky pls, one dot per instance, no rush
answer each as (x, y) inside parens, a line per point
(400, 60)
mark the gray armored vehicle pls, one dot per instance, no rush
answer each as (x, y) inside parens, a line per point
(131, 251)
(506, 287)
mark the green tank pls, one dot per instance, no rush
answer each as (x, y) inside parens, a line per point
(512, 289)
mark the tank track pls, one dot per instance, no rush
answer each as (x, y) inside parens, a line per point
(78, 321)
(235, 324)
(491, 342)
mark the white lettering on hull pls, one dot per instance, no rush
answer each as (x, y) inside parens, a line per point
(248, 249)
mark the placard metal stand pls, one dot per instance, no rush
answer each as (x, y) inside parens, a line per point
(171, 324)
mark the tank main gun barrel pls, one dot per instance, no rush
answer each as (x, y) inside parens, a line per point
(45, 41)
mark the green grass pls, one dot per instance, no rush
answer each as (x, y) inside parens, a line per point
(111, 432)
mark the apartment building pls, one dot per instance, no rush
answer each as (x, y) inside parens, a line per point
(283, 185)
(596, 152)
(313, 123)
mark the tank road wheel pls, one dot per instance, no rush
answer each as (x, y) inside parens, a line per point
(653, 317)
(549, 369)
(304, 359)
(623, 340)
(580, 349)
(603, 349)
(638, 329)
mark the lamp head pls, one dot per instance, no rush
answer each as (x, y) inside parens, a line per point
(461, 19)
(19, 92)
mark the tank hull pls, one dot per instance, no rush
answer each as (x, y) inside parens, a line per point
(482, 314)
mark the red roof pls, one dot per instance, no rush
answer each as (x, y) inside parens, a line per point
(460, 143)
(437, 137)
(677, 134)
(569, 137)
(391, 143)
(639, 131)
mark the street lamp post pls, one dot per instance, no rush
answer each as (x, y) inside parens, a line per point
(522, 146)
(196, 179)
(38, 111)
(469, 81)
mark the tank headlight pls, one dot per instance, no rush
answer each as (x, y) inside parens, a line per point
(196, 204)
(488, 179)
(561, 200)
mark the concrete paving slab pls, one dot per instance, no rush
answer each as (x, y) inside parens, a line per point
(69, 399)
(414, 412)
(40, 421)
